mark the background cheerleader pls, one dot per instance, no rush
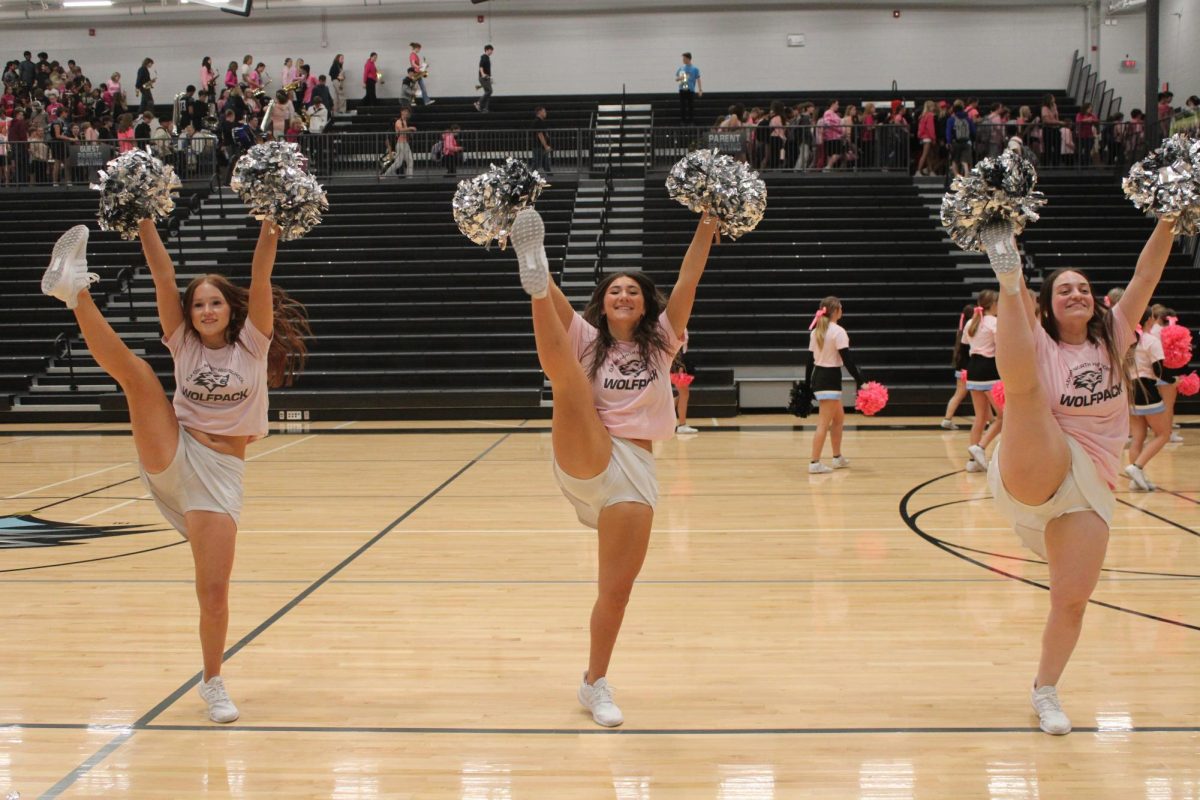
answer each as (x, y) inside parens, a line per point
(961, 356)
(980, 334)
(830, 345)
(683, 372)
(1148, 410)
(1160, 317)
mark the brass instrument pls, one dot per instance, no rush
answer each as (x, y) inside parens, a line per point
(293, 86)
(379, 76)
(423, 72)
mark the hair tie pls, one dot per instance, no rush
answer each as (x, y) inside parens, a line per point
(820, 313)
(1172, 320)
(961, 319)
(977, 312)
(1107, 301)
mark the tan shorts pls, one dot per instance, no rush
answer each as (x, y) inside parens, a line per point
(629, 478)
(1082, 490)
(197, 479)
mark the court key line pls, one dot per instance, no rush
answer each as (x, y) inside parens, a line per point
(98, 757)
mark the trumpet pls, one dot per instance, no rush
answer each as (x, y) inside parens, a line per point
(293, 86)
(423, 72)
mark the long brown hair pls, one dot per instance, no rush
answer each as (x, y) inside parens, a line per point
(1099, 328)
(828, 305)
(987, 298)
(646, 335)
(967, 312)
(288, 353)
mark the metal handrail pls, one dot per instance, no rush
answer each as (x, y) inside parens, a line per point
(62, 349)
(125, 284)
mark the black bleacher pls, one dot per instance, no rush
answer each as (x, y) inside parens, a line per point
(506, 113)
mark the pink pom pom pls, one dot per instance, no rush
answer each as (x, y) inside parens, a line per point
(1188, 384)
(872, 397)
(1177, 346)
(998, 394)
(682, 379)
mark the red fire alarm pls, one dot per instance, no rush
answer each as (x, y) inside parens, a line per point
(479, 18)
(91, 31)
(896, 14)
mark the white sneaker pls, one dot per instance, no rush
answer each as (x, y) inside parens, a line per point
(1176, 438)
(597, 698)
(817, 468)
(528, 238)
(840, 462)
(685, 429)
(948, 425)
(1049, 710)
(1001, 248)
(973, 467)
(1138, 477)
(67, 274)
(979, 456)
(220, 707)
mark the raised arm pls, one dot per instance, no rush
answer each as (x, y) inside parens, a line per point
(262, 311)
(1149, 270)
(562, 306)
(679, 307)
(162, 269)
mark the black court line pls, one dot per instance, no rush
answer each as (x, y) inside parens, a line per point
(910, 519)
(143, 721)
(91, 560)
(590, 730)
(1160, 518)
(1180, 495)
(81, 494)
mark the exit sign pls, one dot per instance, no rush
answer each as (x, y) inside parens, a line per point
(1128, 65)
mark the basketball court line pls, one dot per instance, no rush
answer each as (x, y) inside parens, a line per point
(68, 480)
(96, 758)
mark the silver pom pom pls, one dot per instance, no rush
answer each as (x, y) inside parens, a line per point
(484, 206)
(134, 186)
(1166, 183)
(1002, 187)
(706, 180)
(271, 179)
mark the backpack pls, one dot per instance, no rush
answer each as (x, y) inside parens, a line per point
(243, 135)
(962, 129)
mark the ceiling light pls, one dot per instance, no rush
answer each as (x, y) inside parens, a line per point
(86, 3)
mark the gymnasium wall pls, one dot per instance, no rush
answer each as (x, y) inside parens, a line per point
(594, 52)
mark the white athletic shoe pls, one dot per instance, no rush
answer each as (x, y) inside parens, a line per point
(220, 707)
(1001, 247)
(948, 425)
(1176, 438)
(1049, 710)
(1138, 478)
(685, 429)
(598, 699)
(973, 467)
(979, 456)
(817, 468)
(67, 274)
(528, 239)
(841, 462)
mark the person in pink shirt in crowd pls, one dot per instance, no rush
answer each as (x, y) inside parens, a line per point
(927, 136)
(451, 149)
(208, 77)
(370, 78)
(1085, 131)
(833, 135)
(228, 345)
(980, 335)
(1149, 411)
(1066, 421)
(125, 133)
(610, 372)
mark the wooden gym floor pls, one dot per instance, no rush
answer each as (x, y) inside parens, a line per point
(410, 607)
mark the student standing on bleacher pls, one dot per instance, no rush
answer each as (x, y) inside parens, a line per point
(485, 79)
(688, 78)
(609, 369)
(541, 142)
(370, 78)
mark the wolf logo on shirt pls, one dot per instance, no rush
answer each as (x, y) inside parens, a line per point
(636, 375)
(1089, 378)
(211, 379)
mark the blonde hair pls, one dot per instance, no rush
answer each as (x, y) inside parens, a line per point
(828, 305)
(930, 107)
(986, 299)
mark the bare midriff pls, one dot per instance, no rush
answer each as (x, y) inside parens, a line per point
(229, 445)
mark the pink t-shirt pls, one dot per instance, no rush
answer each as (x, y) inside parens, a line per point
(983, 343)
(223, 391)
(1087, 400)
(835, 339)
(632, 397)
(1149, 349)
